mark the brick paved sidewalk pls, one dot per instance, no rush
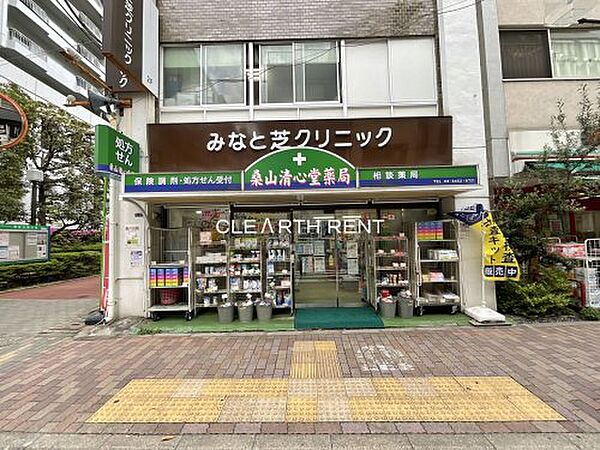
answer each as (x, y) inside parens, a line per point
(79, 288)
(559, 441)
(60, 388)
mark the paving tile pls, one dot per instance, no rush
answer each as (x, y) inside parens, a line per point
(16, 440)
(531, 441)
(450, 442)
(216, 442)
(585, 441)
(69, 441)
(370, 442)
(355, 428)
(382, 428)
(274, 428)
(277, 442)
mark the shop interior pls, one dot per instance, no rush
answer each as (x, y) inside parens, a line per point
(202, 257)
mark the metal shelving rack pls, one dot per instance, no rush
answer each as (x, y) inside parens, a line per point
(211, 272)
(437, 265)
(171, 250)
(391, 266)
(246, 267)
(279, 271)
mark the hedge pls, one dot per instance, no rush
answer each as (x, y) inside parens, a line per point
(86, 247)
(61, 266)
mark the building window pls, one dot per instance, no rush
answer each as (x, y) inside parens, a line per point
(205, 75)
(554, 54)
(525, 54)
(223, 75)
(181, 76)
(300, 72)
(576, 53)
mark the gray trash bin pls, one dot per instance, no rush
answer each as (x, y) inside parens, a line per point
(246, 313)
(406, 308)
(388, 309)
(225, 313)
(264, 313)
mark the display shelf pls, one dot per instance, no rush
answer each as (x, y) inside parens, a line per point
(181, 306)
(437, 253)
(278, 258)
(211, 282)
(440, 260)
(387, 250)
(183, 286)
(169, 273)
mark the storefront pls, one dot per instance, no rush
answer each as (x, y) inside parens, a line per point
(301, 214)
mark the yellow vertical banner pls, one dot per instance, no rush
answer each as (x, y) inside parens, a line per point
(499, 261)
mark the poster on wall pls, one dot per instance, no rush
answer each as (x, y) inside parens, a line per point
(14, 252)
(4, 239)
(319, 248)
(133, 235)
(352, 266)
(352, 249)
(3, 253)
(41, 251)
(31, 239)
(319, 264)
(136, 258)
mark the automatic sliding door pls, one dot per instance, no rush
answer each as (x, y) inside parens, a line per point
(315, 283)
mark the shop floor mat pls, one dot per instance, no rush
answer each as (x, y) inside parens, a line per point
(336, 318)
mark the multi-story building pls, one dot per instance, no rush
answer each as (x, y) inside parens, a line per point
(35, 32)
(544, 56)
(308, 110)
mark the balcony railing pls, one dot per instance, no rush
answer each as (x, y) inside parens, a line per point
(37, 9)
(90, 25)
(89, 56)
(16, 36)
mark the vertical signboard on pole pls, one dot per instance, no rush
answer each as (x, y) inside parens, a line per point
(130, 44)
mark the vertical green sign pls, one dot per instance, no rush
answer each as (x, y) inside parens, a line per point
(115, 153)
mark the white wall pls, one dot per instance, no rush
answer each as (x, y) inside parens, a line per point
(462, 91)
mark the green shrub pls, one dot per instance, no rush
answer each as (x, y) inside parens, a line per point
(589, 314)
(550, 296)
(84, 247)
(61, 266)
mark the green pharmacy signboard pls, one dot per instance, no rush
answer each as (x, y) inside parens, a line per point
(115, 153)
(418, 176)
(184, 182)
(302, 168)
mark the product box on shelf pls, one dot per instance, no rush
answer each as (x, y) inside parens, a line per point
(160, 277)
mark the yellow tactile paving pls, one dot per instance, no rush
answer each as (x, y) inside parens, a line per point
(315, 392)
(315, 359)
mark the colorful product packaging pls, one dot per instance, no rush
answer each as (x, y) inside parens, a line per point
(160, 277)
(153, 278)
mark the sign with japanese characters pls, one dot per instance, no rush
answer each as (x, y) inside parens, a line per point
(500, 263)
(373, 142)
(130, 44)
(300, 168)
(115, 153)
(183, 182)
(418, 176)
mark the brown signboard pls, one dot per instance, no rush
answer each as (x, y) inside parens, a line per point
(130, 44)
(372, 142)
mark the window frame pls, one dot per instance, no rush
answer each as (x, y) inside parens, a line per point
(201, 104)
(553, 76)
(295, 102)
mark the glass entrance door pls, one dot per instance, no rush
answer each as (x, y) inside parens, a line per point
(315, 283)
(330, 264)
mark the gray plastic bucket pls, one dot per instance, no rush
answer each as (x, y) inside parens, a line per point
(225, 314)
(406, 308)
(246, 313)
(388, 310)
(264, 312)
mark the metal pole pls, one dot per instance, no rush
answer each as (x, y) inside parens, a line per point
(34, 194)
